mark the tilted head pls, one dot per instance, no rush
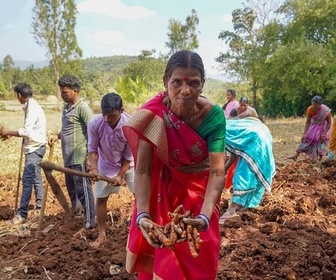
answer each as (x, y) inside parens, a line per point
(317, 99)
(70, 81)
(230, 94)
(23, 92)
(70, 86)
(243, 103)
(111, 106)
(316, 102)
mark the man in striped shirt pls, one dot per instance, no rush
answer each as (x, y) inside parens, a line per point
(75, 117)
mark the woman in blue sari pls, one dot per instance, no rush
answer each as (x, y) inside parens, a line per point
(251, 142)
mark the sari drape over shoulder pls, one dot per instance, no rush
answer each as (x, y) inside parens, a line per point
(180, 172)
(332, 141)
(312, 144)
(249, 112)
(230, 106)
(252, 142)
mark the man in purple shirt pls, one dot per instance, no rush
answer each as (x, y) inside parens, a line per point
(109, 155)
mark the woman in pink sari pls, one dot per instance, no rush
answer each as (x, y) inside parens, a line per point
(231, 103)
(316, 134)
(177, 139)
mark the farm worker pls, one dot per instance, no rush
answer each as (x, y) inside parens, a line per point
(177, 139)
(316, 134)
(34, 143)
(249, 142)
(231, 103)
(109, 155)
(332, 141)
(75, 117)
(243, 110)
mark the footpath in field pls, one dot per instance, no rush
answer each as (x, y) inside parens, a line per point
(290, 236)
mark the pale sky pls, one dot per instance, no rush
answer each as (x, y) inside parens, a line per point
(119, 27)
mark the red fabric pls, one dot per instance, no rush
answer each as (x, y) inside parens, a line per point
(229, 175)
(176, 146)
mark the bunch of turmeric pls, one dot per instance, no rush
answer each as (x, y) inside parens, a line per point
(177, 231)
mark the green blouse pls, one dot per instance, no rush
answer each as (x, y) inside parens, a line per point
(212, 129)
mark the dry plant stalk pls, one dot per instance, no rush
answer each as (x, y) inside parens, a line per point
(177, 231)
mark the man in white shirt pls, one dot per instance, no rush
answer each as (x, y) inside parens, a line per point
(34, 134)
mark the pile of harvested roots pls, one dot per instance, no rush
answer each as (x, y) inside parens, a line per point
(177, 231)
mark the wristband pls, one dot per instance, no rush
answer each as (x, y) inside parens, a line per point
(140, 216)
(205, 220)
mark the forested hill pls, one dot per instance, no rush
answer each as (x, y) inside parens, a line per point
(92, 64)
(114, 64)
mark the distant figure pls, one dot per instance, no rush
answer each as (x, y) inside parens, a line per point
(243, 110)
(249, 143)
(75, 117)
(332, 141)
(34, 134)
(109, 155)
(231, 103)
(315, 138)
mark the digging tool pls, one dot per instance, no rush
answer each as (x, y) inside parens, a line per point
(56, 189)
(19, 178)
(38, 233)
(49, 166)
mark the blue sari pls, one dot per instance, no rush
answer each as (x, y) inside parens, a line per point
(252, 142)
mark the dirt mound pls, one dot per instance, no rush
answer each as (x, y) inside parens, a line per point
(290, 236)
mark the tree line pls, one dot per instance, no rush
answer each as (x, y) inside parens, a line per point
(279, 54)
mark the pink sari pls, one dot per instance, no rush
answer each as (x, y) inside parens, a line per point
(230, 106)
(312, 145)
(180, 172)
(249, 112)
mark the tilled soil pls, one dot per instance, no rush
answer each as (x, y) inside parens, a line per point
(292, 235)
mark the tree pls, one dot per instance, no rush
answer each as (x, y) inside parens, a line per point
(132, 91)
(253, 39)
(183, 36)
(8, 72)
(148, 68)
(53, 25)
(304, 63)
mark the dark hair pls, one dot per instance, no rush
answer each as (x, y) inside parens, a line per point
(232, 91)
(185, 59)
(243, 99)
(317, 99)
(234, 113)
(111, 102)
(69, 81)
(24, 89)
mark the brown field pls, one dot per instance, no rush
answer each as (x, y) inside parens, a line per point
(290, 236)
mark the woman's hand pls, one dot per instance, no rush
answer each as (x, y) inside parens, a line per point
(197, 222)
(303, 137)
(145, 225)
(323, 137)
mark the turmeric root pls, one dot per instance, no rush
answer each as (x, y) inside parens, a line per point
(176, 231)
(191, 241)
(160, 235)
